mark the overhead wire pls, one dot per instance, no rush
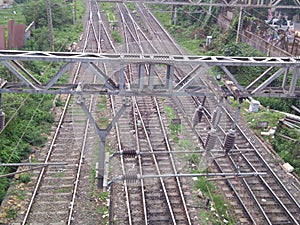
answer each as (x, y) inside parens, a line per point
(23, 133)
(15, 148)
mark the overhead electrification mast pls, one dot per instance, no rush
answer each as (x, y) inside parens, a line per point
(50, 25)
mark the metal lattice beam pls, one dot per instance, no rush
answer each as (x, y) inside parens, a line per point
(220, 3)
(171, 86)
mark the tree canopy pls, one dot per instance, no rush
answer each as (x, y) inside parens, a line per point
(37, 11)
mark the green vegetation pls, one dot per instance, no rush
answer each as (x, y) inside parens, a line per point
(29, 117)
(116, 36)
(18, 193)
(12, 13)
(110, 12)
(102, 103)
(64, 31)
(59, 174)
(175, 128)
(218, 208)
(264, 115)
(62, 190)
(11, 212)
(288, 149)
(25, 177)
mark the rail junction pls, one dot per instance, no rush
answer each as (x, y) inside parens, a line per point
(154, 189)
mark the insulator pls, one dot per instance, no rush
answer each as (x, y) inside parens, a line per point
(129, 152)
(210, 140)
(216, 117)
(229, 140)
(2, 120)
(130, 177)
(197, 116)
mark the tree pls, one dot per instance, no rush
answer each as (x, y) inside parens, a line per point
(36, 11)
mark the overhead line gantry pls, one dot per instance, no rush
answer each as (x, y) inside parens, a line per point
(285, 68)
(223, 3)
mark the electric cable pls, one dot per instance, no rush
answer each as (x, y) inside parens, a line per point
(23, 133)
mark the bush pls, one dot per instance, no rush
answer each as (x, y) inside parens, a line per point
(4, 184)
(25, 177)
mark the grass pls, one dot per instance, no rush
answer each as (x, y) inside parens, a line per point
(14, 12)
(61, 190)
(116, 36)
(194, 158)
(175, 128)
(59, 174)
(25, 177)
(18, 193)
(102, 103)
(219, 207)
(263, 115)
(11, 213)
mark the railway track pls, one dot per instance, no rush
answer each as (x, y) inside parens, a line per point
(161, 200)
(275, 204)
(144, 151)
(56, 192)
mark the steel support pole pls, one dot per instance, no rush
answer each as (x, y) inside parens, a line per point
(50, 25)
(240, 24)
(294, 81)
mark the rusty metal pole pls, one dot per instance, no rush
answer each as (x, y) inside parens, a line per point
(74, 11)
(240, 25)
(50, 25)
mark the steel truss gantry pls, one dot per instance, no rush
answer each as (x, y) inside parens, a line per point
(280, 69)
(218, 3)
(147, 64)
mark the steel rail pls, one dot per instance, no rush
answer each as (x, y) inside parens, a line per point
(157, 167)
(130, 79)
(265, 163)
(171, 158)
(232, 187)
(271, 191)
(268, 167)
(140, 168)
(211, 4)
(149, 142)
(118, 132)
(251, 192)
(122, 163)
(169, 150)
(137, 40)
(264, 182)
(172, 162)
(77, 177)
(43, 170)
(161, 27)
(245, 208)
(83, 145)
(256, 150)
